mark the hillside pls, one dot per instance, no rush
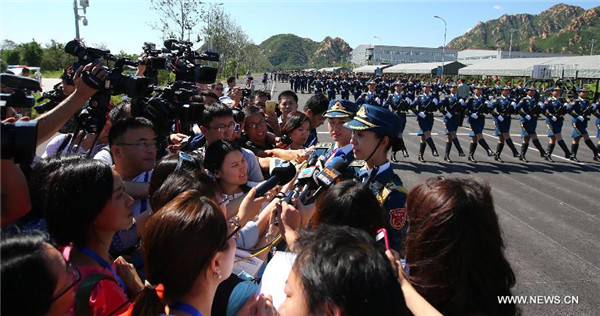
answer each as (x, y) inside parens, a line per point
(560, 29)
(288, 51)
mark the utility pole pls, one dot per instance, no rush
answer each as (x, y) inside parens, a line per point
(443, 47)
(510, 47)
(84, 4)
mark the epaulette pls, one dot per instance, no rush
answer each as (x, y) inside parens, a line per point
(385, 192)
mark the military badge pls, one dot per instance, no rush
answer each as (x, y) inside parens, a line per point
(398, 218)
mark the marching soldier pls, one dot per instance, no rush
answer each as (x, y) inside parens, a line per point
(318, 84)
(580, 110)
(375, 131)
(331, 88)
(502, 109)
(357, 87)
(529, 109)
(451, 107)
(345, 87)
(554, 109)
(400, 105)
(303, 82)
(371, 96)
(424, 106)
(476, 109)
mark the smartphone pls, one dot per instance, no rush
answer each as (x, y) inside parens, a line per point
(270, 106)
(382, 239)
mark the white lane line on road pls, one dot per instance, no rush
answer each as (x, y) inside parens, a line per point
(533, 148)
(551, 197)
(548, 237)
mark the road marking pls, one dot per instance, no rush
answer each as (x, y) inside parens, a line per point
(533, 148)
(548, 237)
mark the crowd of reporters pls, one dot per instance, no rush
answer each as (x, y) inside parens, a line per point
(244, 213)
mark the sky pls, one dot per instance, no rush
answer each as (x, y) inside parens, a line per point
(125, 25)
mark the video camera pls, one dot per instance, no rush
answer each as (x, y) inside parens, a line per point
(19, 140)
(18, 96)
(185, 62)
(54, 97)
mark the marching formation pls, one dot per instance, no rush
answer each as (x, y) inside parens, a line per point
(473, 102)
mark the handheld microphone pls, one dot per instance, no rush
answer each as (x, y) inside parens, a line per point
(281, 173)
(325, 179)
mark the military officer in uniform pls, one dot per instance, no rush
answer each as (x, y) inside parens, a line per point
(331, 85)
(451, 107)
(339, 113)
(529, 108)
(502, 108)
(580, 110)
(371, 96)
(375, 131)
(345, 87)
(554, 109)
(424, 106)
(399, 104)
(476, 108)
(318, 84)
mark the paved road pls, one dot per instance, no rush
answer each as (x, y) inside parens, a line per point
(549, 212)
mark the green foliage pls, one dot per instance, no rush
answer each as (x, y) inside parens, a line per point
(288, 51)
(54, 57)
(559, 29)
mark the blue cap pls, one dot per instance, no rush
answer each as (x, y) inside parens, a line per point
(553, 88)
(371, 82)
(530, 88)
(505, 88)
(376, 119)
(582, 89)
(341, 108)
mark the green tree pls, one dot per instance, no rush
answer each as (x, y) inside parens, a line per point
(54, 56)
(32, 53)
(12, 57)
(177, 18)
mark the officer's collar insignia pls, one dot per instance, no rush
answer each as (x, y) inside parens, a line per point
(362, 112)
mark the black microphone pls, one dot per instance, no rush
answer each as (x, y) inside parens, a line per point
(280, 174)
(325, 179)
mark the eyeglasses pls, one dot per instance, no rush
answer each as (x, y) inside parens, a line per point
(75, 277)
(256, 125)
(234, 227)
(225, 129)
(141, 146)
(183, 157)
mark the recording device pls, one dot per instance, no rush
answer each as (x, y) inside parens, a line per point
(326, 178)
(382, 240)
(18, 140)
(18, 98)
(282, 172)
(185, 62)
(305, 180)
(286, 139)
(52, 98)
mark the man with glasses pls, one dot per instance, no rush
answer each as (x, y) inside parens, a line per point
(133, 147)
(218, 124)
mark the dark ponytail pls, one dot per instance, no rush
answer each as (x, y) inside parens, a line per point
(190, 223)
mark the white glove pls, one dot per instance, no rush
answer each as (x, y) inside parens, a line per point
(408, 100)
(461, 101)
(580, 118)
(422, 115)
(474, 116)
(435, 101)
(528, 117)
(554, 118)
(500, 118)
(514, 105)
(448, 115)
(541, 104)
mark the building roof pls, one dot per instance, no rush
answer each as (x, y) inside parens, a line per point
(369, 68)
(578, 66)
(417, 68)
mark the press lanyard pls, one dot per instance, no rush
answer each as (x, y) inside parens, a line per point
(103, 263)
(186, 308)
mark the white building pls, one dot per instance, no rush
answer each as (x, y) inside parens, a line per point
(383, 54)
(467, 55)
